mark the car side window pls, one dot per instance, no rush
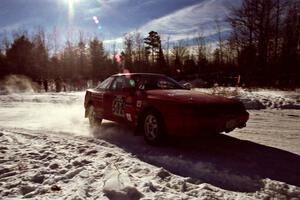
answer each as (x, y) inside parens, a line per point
(105, 84)
(117, 84)
(122, 82)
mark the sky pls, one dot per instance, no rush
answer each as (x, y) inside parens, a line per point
(111, 19)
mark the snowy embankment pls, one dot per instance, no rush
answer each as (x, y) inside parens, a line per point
(47, 151)
(259, 98)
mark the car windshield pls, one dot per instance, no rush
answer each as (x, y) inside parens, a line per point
(154, 82)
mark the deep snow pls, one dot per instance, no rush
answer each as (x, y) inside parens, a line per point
(49, 152)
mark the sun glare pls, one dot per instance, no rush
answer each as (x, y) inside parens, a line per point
(71, 7)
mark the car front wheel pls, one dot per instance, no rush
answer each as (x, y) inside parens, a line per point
(153, 128)
(94, 121)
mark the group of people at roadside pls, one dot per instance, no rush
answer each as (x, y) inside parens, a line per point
(57, 85)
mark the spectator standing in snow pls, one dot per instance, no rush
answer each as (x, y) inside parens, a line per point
(45, 83)
(58, 84)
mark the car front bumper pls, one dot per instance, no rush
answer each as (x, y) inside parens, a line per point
(195, 125)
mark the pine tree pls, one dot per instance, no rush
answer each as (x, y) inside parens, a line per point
(98, 59)
(153, 45)
(19, 56)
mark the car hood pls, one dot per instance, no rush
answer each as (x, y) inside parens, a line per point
(192, 97)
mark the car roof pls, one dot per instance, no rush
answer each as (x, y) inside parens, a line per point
(140, 74)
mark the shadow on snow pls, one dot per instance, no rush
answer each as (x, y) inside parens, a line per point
(220, 160)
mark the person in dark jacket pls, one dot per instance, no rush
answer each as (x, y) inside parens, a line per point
(45, 83)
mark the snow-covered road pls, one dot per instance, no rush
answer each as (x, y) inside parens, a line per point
(48, 151)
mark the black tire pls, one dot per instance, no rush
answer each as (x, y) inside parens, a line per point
(93, 119)
(153, 128)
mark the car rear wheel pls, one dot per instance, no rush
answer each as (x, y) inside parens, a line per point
(153, 128)
(94, 121)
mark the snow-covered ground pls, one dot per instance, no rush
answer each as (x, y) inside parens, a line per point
(47, 151)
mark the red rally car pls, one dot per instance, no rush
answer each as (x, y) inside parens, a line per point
(157, 106)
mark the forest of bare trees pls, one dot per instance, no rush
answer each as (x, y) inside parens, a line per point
(263, 49)
(266, 41)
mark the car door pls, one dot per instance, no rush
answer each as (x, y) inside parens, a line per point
(115, 99)
(98, 96)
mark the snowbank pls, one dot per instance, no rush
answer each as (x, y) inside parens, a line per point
(260, 98)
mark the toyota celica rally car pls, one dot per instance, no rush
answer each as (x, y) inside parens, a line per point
(157, 105)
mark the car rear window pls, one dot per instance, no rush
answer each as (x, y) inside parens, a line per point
(104, 84)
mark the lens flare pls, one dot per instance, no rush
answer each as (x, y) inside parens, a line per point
(96, 20)
(71, 9)
(118, 59)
